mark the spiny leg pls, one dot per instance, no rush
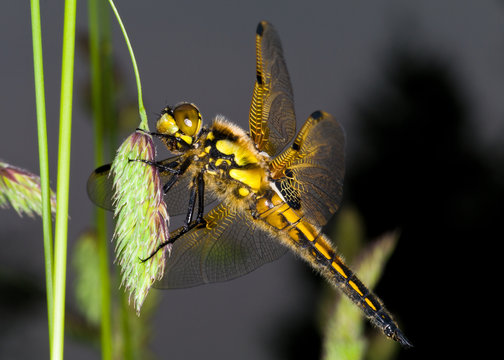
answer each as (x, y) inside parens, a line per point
(170, 167)
(192, 203)
(174, 168)
(177, 170)
(176, 174)
(201, 198)
(197, 190)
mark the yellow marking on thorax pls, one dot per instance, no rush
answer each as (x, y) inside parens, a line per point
(219, 162)
(242, 154)
(243, 191)
(251, 177)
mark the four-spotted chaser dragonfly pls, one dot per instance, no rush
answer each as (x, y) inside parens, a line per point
(270, 195)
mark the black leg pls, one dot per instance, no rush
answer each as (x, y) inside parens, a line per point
(198, 188)
(180, 171)
(201, 198)
(174, 168)
(171, 167)
(170, 183)
(192, 202)
(172, 239)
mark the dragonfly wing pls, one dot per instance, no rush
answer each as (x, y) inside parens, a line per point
(231, 245)
(309, 174)
(100, 187)
(272, 120)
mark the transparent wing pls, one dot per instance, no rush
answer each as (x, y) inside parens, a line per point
(100, 189)
(309, 174)
(231, 245)
(272, 120)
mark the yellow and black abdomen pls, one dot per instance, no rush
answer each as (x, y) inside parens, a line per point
(313, 246)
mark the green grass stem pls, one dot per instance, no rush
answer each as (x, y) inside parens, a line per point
(143, 116)
(38, 68)
(97, 11)
(63, 179)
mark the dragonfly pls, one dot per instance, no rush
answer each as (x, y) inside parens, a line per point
(270, 189)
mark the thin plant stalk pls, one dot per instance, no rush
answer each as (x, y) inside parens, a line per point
(63, 179)
(125, 325)
(143, 116)
(96, 13)
(126, 328)
(38, 68)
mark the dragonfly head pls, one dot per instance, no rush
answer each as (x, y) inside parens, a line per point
(182, 124)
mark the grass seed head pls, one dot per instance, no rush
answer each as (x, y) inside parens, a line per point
(21, 189)
(141, 216)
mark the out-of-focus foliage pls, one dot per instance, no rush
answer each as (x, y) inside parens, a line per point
(21, 190)
(87, 270)
(342, 322)
(131, 333)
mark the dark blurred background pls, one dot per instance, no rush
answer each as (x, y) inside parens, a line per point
(418, 88)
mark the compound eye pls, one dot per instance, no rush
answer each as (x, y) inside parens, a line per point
(187, 118)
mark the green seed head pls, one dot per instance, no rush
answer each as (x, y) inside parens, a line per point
(141, 216)
(21, 189)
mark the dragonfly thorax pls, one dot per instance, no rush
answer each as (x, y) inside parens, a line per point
(230, 155)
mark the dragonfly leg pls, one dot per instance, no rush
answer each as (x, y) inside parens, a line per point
(173, 238)
(171, 167)
(192, 203)
(197, 190)
(174, 168)
(176, 174)
(201, 198)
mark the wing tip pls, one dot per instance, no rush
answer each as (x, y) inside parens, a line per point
(103, 168)
(261, 27)
(317, 115)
